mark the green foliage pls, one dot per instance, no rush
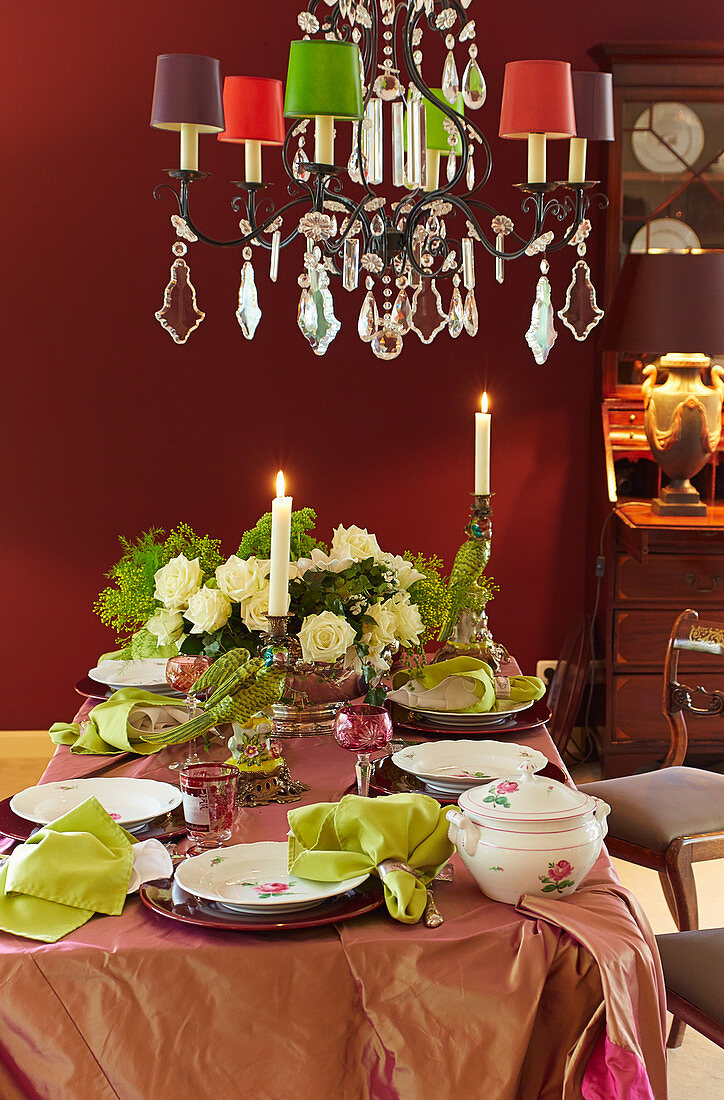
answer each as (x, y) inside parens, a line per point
(257, 541)
(348, 593)
(430, 594)
(128, 602)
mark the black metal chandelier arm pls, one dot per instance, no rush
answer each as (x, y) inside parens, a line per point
(479, 234)
(254, 237)
(578, 213)
(157, 194)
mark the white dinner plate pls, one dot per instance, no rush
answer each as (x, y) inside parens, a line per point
(682, 131)
(454, 766)
(148, 674)
(130, 802)
(506, 708)
(253, 878)
(666, 235)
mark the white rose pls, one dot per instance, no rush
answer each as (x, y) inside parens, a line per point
(325, 637)
(255, 609)
(177, 581)
(167, 626)
(376, 660)
(355, 543)
(408, 621)
(238, 578)
(382, 633)
(208, 610)
(406, 574)
(321, 561)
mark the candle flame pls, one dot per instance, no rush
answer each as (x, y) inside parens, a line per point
(484, 402)
(280, 483)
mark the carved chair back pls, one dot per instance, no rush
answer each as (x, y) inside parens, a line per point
(690, 634)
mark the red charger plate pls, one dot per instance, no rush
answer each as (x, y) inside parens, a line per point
(537, 715)
(165, 898)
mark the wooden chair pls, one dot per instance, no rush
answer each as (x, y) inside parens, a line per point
(693, 965)
(567, 685)
(671, 818)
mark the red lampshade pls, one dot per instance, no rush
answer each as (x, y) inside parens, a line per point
(537, 99)
(253, 109)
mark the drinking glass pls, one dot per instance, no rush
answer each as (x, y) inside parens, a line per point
(209, 803)
(182, 672)
(362, 728)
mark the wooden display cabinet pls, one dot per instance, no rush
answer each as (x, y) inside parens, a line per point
(660, 564)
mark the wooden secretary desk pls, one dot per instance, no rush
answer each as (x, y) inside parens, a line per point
(658, 565)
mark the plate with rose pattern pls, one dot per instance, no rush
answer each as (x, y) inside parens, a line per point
(449, 767)
(253, 878)
(130, 802)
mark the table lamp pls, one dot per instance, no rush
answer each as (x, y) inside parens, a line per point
(253, 109)
(670, 304)
(537, 104)
(323, 83)
(187, 98)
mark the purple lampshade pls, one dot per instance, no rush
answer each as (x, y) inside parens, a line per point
(187, 92)
(593, 101)
(667, 302)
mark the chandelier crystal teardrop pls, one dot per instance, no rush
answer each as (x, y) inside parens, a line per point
(395, 198)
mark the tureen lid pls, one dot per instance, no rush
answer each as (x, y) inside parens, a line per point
(526, 796)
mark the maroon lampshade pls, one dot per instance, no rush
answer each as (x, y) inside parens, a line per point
(537, 99)
(593, 101)
(667, 302)
(187, 91)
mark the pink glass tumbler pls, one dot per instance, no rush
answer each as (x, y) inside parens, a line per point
(362, 728)
(209, 803)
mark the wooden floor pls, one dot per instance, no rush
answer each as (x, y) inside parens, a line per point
(24, 755)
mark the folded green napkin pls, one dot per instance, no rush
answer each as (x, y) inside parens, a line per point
(76, 866)
(118, 724)
(464, 684)
(332, 841)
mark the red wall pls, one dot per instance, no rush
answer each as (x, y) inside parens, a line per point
(109, 427)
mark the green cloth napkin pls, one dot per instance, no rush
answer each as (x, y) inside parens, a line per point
(76, 866)
(107, 730)
(480, 683)
(332, 841)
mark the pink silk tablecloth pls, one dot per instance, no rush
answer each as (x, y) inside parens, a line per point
(547, 1000)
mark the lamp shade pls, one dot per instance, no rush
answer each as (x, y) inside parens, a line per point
(323, 79)
(435, 132)
(537, 99)
(253, 109)
(593, 102)
(187, 92)
(667, 302)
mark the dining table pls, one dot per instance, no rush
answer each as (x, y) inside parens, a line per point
(547, 999)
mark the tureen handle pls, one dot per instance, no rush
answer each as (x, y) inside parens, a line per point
(601, 812)
(526, 767)
(462, 832)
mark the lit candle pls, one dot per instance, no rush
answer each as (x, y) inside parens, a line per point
(280, 537)
(482, 449)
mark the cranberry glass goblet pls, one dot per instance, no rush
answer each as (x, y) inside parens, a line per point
(362, 728)
(182, 672)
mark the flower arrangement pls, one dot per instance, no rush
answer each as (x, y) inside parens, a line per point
(352, 603)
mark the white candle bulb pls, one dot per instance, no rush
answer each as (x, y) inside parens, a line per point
(324, 139)
(482, 449)
(189, 159)
(280, 538)
(536, 158)
(252, 161)
(577, 160)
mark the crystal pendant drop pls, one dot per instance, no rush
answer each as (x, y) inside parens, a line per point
(451, 166)
(353, 164)
(377, 226)
(274, 255)
(387, 86)
(315, 315)
(470, 314)
(455, 314)
(387, 341)
(369, 321)
(470, 172)
(350, 264)
(428, 316)
(450, 79)
(541, 336)
(180, 315)
(402, 312)
(398, 144)
(474, 89)
(499, 261)
(581, 312)
(298, 170)
(248, 313)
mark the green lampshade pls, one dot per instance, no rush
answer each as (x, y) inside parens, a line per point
(323, 79)
(436, 134)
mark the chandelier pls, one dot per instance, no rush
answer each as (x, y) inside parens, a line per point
(362, 60)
